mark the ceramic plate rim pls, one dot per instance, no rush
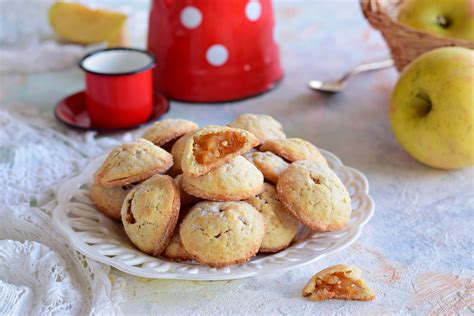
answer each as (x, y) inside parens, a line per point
(59, 216)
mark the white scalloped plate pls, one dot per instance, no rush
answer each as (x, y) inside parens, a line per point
(102, 239)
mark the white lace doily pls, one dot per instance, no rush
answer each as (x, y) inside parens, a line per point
(45, 286)
(36, 154)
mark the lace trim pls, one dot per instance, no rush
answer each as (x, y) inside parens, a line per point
(41, 274)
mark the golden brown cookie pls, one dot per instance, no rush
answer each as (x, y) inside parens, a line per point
(339, 282)
(109, 200)
(222, 233)
(271, 165)
(282, 227)
(165, 131)
(213, 146)
(175, 250)
(315, 196)
(150, 212)
(236, 180)
(294, 149)
(264, 127)
(186, 198)
(177, 152)
(133, 162)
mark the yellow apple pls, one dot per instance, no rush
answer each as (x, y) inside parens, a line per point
(432, 108)
(448, 18)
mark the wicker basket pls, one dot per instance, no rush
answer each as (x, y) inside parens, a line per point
(405, 43)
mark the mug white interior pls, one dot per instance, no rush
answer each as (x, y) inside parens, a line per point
(117, 61)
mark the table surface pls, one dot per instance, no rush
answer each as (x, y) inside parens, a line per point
(416, 252)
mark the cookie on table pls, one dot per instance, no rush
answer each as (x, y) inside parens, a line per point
(282, 227)
(213, 146)
(186, 198)
(133, 162)
(163, 132)
(271, 165)
(233, 181)
(150, 213)
(177, 152)
(264, 127)
(315, 196)
(175, 250)
(109, 200)
(339, 282)
(294, 149)
(222, 233)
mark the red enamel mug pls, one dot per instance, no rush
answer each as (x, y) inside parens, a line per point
(119, 86)
(213, 50)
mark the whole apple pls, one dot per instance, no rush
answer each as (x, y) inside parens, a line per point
(448, 18)
(432, 108)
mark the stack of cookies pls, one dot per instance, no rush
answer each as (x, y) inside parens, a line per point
(218, 194)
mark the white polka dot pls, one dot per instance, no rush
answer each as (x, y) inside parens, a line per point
(191, 17)
(247, 67)
(253, 10)
(217, 55)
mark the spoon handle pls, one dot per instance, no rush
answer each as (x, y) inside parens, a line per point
(367, 67)
(373, 66)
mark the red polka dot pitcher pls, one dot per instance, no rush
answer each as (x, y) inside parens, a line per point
(213, 50)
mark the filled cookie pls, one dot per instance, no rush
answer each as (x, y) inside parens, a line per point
(177, 152)
(236, 180)
(282, 227)
(150, 212)
(315, 196)
(294, 149)
(175, 250)
(222, 233)
(109, 200)
(186, 198)
(133, 162)
(338, 282)
(213, 146)
(269, 164)
(264, 127)
(163, 132)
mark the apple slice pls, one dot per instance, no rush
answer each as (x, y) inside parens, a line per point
(75, 23)
(213, 146)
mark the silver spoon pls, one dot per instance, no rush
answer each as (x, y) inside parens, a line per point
(339, 85)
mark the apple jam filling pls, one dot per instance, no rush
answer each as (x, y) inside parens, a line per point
(209, 148)
(337, 284)
(129, 216)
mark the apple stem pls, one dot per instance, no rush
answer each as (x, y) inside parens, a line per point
(423, 107)
(442, 20)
